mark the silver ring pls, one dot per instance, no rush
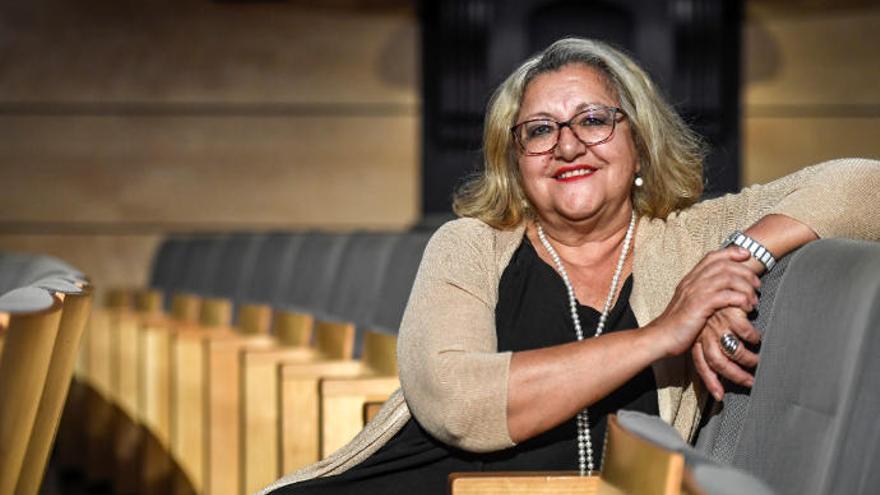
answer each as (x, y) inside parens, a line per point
(729, 343)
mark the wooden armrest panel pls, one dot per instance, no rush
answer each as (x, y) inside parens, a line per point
(370, 386)
(98, 364)
(224, 408)
(293, 328)
(342, 407)
(300, 408)
(188, 396)
(261, 412)
(215, 312)
(255, 319)
(524, 483)
(635, 465)
(335, 340)
(127, 338)
(274, 356)
(339, 368)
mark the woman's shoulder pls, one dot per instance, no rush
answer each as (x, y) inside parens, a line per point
(473, 232)
(472, 242)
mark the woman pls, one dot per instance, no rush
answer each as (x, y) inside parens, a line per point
(579, 278)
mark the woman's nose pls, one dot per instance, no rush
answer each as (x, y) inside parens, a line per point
(569, 146)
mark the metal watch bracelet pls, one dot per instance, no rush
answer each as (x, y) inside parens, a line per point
(757, 250)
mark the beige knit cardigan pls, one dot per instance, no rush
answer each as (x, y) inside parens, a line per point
(453, 378)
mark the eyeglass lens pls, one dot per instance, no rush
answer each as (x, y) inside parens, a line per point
(591, 126)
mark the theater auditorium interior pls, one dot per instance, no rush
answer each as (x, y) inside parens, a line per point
(214, 211)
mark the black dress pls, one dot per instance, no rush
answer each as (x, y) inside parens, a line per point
(532, 312)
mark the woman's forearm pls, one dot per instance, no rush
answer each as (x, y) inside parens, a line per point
(548, 386)
(780, 235)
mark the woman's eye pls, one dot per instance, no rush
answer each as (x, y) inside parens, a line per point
(539, 130)
(591, 120)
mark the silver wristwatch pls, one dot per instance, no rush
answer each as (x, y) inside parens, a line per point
(758, 251)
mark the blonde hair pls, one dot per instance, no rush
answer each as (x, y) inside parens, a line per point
(670, 154)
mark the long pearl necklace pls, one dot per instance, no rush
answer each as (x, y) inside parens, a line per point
(585, 444)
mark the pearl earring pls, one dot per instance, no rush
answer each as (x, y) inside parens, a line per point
(639, 182)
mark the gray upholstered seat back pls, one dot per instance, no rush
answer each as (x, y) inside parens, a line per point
(308, 286)
(27, 281)
(12, 269)
(810, 425)
(361, 269)
(274, 263)
(202, 266)
(397, 283)
(19, 270)
(236, 265)
(42, 266)
(355, 291)
(168, 261)
(171, 265)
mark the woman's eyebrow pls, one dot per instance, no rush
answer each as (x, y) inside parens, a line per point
(578, 109)
(588, 105)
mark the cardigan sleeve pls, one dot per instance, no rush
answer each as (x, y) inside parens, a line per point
(838, 198)
(453, 378)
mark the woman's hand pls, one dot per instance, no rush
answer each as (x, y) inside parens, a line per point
(711, 361)
(720, 280)
(780, 235)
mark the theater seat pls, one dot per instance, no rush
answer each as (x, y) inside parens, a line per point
(808, 425)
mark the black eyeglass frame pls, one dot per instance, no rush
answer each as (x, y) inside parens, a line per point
(615, 111)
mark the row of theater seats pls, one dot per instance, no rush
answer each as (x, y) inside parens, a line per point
(250, 355)
(44, 304)
(174, 398)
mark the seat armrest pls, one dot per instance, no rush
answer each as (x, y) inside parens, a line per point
(531, 483)
(343, 406)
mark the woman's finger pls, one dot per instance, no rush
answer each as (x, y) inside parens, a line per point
(743, 357)
(737, 321)
(721, 299)
(725, 367)
(729, 254)
(728, 269)
(727, 321)
(710, 378)
(728, 281)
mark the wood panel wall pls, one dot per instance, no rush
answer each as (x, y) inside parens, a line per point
(811, 90)
(122, 121)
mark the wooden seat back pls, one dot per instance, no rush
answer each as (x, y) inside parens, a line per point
(73, 319)
(24, 365)
(635, 465)
(380, 353)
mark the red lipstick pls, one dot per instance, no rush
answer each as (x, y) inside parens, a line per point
(574, 172)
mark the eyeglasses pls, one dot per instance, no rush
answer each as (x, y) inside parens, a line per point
(593, 126)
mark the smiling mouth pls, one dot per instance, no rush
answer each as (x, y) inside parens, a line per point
(567, 174)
